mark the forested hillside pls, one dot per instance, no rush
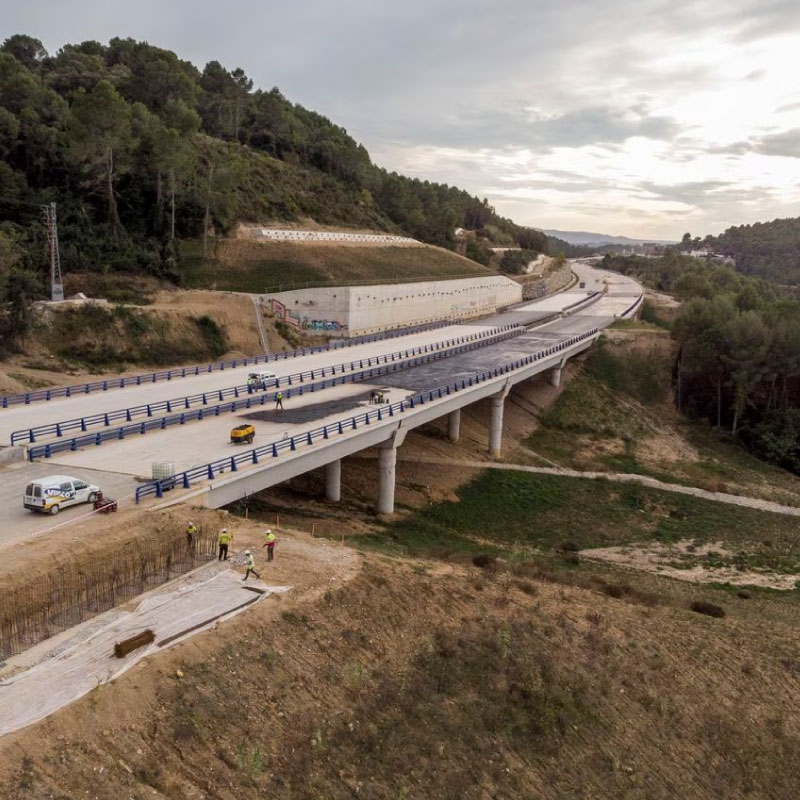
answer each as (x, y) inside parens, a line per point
(141, 149)
(767, 249)
(738, 361)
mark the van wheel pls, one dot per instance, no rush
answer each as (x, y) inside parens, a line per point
(54, 510)
(92, 497)
(250, 439)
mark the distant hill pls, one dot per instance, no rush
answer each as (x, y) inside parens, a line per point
(587, 238)
(765, 249)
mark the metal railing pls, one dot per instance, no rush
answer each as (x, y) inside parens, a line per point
(323, 433)
(201, 369)
(98, 438)
(632, 307)
(105, 419)
(593, 297)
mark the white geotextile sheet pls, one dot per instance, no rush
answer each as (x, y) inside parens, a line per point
(55, 682)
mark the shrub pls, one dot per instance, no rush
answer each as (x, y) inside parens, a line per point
(484, 561)
(616, 589)
(745, 594)
(709, 609)
(213, 335)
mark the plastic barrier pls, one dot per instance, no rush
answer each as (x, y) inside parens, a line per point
(255, 399)
(202, 369)
(105, 419)
(252, 457)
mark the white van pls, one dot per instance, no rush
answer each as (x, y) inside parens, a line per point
(49, 495)
(263, 378)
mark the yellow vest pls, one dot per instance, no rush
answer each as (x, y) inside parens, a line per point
(225, 538)
(270, 538)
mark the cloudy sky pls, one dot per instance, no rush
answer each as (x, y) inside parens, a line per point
(647, 118)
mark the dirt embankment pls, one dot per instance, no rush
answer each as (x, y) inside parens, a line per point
(174, 313)
(452, 683)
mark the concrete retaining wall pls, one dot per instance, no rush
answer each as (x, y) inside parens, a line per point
(358, 310)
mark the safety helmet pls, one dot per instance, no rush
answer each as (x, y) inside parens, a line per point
(268, 530)
(224, 530)
(247, 552)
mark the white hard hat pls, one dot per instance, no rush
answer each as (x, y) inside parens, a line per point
(268, 530)
(247, 552)
(224, 530)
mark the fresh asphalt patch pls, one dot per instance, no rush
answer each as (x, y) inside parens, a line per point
(314, 411)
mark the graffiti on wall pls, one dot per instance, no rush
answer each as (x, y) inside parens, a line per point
(283, 314)
(322, 325)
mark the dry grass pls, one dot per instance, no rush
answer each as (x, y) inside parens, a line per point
(460, 692)
(247, 266)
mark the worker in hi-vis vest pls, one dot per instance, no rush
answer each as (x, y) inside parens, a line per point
(251, 565)
(269, 543)
(191, 533)
(225, 539)
(278, 400)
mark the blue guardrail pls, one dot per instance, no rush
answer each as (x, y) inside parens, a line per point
(105, 419)
(200, 369)
(233, 463)
(474, 341)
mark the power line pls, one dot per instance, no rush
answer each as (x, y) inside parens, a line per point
(12, 201)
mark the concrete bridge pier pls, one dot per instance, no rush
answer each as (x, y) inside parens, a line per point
(496, 421)
(333, 481)
(555, 374)
(454, 425)
(387, 464)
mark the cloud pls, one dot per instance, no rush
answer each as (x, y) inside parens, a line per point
(533, 129)
(786, 144)
(607, 113)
